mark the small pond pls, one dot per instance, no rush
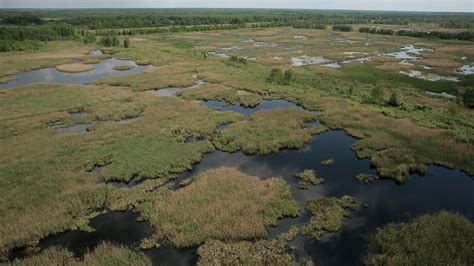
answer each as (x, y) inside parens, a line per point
(52, 75)
(264, 105)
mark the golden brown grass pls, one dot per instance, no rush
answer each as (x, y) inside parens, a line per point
(220, 204)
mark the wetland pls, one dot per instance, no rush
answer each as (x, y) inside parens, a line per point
(254, 144)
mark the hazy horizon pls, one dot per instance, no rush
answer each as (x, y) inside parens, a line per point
(367, 5)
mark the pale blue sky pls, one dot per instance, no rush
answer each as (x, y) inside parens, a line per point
(398, 5)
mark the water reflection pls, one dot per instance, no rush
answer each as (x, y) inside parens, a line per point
(264, 105)
(439, 189)
(52, 75)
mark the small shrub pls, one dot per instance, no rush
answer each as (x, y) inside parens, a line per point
(289, 77)
(453, 110)
(377, 94)
(276, 76)
(468, 98)
(396, 98)
(237, 60)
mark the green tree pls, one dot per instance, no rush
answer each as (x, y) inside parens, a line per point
(126, 43)
(468, 98)
(396, 98)
(276, 76)
(377, 94)
(289, 76)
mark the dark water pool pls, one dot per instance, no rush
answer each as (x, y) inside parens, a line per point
(119, 228)
(116, 227)
(52, 75)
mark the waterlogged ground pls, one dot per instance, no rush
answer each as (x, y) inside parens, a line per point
(114, 151)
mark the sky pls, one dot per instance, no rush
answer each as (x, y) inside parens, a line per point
(395, 5)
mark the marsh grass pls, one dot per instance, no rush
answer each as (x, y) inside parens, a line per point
(363, 178)
(213, 91)
(104, 254)
(75, 68)
(45, 184)
(328, 162)
(261, 252)
(327, 215)
(267, 132)
(308, 176)
(174, 75)
(50, 55)
(219, 204)
(123, 67)
(433, 239)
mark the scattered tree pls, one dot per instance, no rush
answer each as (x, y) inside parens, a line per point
(396, 98)
(289, 77)
(126, 43)
(276, 75)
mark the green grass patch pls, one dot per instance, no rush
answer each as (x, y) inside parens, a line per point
(327, 215)
(267, 132)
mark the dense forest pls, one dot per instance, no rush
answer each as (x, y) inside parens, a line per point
(27, 29)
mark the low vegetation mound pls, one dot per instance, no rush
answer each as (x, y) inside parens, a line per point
(75, 68)
(327, 215)
(438, 239)
(123, 67)
(213, 91)
(155, 78)
(308, 176)
(220, 204)
(267, 132)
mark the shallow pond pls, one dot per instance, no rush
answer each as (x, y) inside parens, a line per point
(264, 105)
(52, 75)
(307, 60)
(466, 69)
(429, 76)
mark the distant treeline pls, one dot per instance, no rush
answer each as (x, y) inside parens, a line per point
(29, 37)
(140, 18)
(27, 29)
(462, 35)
